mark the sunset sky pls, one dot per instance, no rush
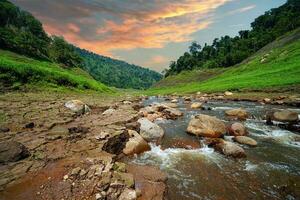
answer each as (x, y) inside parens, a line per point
(149, 33)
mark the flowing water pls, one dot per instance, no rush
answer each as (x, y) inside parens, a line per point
(270, 171)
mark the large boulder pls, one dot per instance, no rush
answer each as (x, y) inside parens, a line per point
(230, 149)
(206, 126)
(237, 129)
(245, 140)
(11, 151)
(150, 131)
(172, 113)
(239, 113)
(136, 144)
(77, 106)
(196, 105)
(286, 116)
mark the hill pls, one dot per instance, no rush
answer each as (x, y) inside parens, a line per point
(17, 70)
(117, 73)
(275, 66)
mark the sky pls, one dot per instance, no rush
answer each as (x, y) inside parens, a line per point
(149, 33)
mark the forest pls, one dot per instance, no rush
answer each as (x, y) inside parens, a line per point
(228, 51)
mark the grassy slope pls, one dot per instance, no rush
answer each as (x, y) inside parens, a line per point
(19, 70)
(281, 69)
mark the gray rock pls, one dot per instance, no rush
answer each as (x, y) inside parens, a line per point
(12, 151)
(150, 131)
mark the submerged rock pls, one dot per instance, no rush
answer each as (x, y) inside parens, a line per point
(239, 113)
(11, 151)
(150, 131)
(245, 140)
(286, 116)
(136, 144)
(237, 129)
(196, 105)
(206, 126)
(77, 106)
(230, 149)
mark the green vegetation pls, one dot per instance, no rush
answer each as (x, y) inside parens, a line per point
(19, 70)
(276, 65)
(118, 73)
(228, 51)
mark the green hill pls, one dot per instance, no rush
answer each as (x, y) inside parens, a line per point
(276, 65)
(117, 73)
(17, 70)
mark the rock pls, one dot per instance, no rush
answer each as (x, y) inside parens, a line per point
(185, 143)
(133, 126)
(227, 93)
(77, 106)
(128, 194)
(196, 105)
(153, 117)
(174, 101)
(187, 99)
(119, 167)
(136, 144)
(127, 102)
(198, 93)
(75, 171)
(172, 113)
(238, 113)
(115, 190)
(267, 100)
(212, 142)
(237, 129)
(4, 129)
(147, 110)
(170, 105)
(102, 135)
(245, 140)
(116, 144)
(286, 116)
(30, 125)
(230, 149)
(149, 180)
(78, 129)
(125, 178)
(206, 126)
(150, 131)
(109, 111)
(11, 151)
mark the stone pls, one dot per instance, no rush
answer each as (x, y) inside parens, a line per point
(127, 102)
(227, 93)
(170, 105)
(286, 116)
(116, 144)
(174, 101)
(172, 113)
(12, 151)
(150, 131)
(267, 100)
(125, 178)
(30, 125)
(196, 105)
(206, 126)
(77, 106)
(153, 117)
(237, 129)
(239, 113)
(78, 129)
(109, 111)
(185, 143)
(136, 144)
(4, 129)
(133, 126)
(75, 171)
(230, 149)
(245, 140)
(119, 167)
(128, 194)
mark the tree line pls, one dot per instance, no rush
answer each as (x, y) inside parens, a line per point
(228, 51)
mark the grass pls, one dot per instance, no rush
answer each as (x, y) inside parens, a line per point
(281, 69)
(16, 71)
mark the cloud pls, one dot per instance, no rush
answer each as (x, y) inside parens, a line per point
(105, 26)
(241, 10)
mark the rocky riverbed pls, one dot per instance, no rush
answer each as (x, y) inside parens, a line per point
(80, 146)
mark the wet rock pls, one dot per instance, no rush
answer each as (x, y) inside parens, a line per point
(4, 129)
(149, 180)
(136, 144)
(116, 144)
(77, 106)
(150, 131)
(30, 125)
(172, 113)
(212, 142)
(245, 140)
(237, 129)
(227, 93)
(109, 111)
(128, 194)
(11, 151)
(230, 149)
(286, 116)
(133, 126)
(196, 105)
(185, 143)
(239, 113)
(206, 126)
